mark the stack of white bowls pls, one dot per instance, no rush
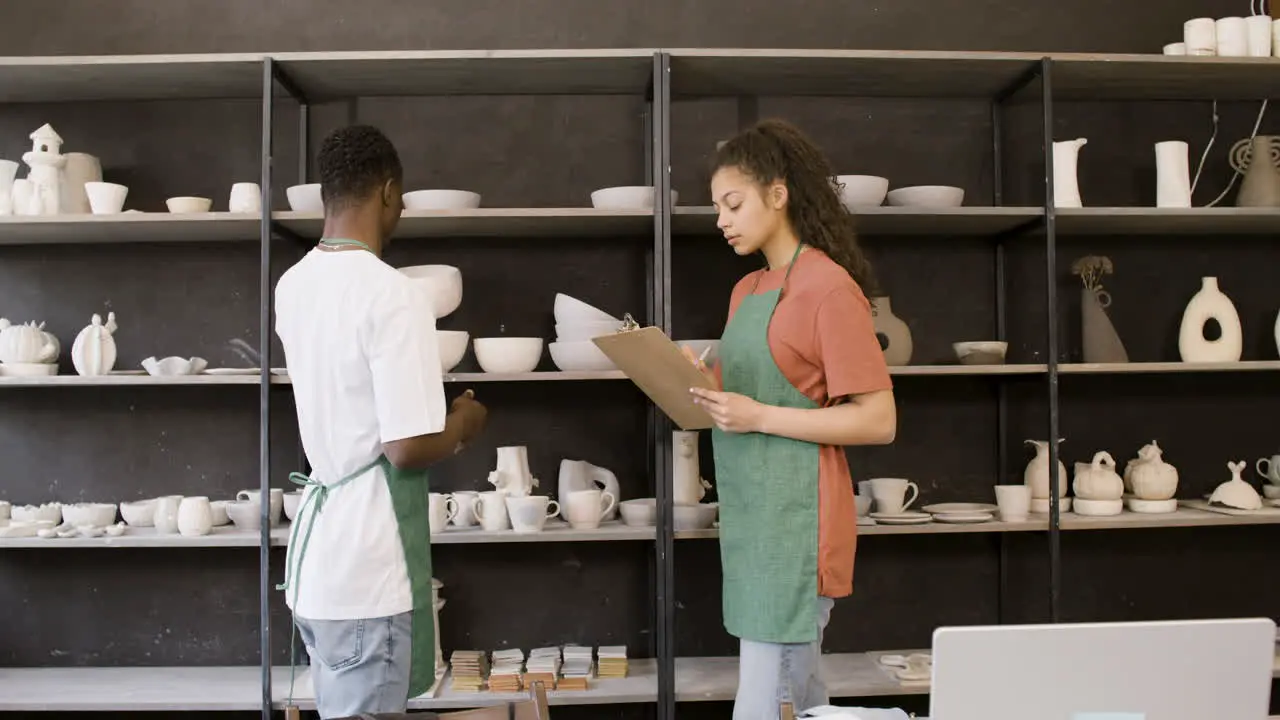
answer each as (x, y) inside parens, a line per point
(576, 324)
(443, 284)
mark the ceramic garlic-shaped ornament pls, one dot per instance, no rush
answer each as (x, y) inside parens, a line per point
(94, 351)
(1149, 477)
(1236, 492)
(27, 343)
(1098, 480)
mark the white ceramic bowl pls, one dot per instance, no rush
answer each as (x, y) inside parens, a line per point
(982, 352)
(935, 196)
(697, 346)
(48, 512)
(626, 197)
(694, 517)
(863, 504)
(105, 198)
(188, 204)
(95, 514)
(440, 200)
(173, 365)
(580, 355)
(139, 513)
(572, 311)
(641, 512)
(444, 282)
(453, 347)
(291, 502)
(305, 198)
(585, 331)
(861, 190)
(508, 354)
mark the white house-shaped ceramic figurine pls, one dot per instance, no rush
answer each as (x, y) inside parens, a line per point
(45, 160)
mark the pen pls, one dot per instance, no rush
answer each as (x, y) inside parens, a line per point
(703, 356)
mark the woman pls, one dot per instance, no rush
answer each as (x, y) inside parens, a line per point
(801, 376)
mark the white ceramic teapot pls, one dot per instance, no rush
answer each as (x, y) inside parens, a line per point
(94, 351)
(1149, 477)
(1098, 480)
(26, 344)
(576, 475)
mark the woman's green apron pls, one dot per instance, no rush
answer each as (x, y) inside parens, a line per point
(409, 499)
(768, 490)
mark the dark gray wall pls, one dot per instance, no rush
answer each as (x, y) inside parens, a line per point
(118, 444)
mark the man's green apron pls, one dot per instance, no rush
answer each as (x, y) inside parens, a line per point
(409, 499)
(768, 490)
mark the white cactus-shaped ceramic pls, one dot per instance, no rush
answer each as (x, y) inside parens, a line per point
(26, 343)
(94, 351)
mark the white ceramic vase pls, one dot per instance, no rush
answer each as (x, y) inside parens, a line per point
(1066, 188)
(892, 332)
(1173, 175)
(195, 516)
(1210, 304)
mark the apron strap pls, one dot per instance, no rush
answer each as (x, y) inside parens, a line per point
(784, 277)
(340, 242)
(292, 569)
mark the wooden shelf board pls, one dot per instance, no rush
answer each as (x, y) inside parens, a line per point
(1094, 76)
(225, 536)
(887, 220)
(640, 686)
(128, 689)
(1183, 517)
(327, 76)
(558, 532)
(81, 78)
(548, 376)
(570, 222)
(1012, 369)
(127, 380)
(156, 227)
(1167, 367)
(1167, 221)
(700, 679)
(932, 528)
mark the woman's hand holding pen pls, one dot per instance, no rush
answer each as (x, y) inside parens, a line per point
(730, 411)
(699, 362)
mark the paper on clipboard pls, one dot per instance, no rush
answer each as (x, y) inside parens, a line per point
(657, 366)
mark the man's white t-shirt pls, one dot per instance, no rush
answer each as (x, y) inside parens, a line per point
(360, 345)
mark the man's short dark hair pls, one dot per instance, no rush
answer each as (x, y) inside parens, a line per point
(353, 162)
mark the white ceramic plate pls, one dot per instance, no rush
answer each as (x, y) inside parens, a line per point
(963, 517)
(959, 507)
(906, 518)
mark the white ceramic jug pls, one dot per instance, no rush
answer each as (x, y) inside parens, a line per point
(578, 475)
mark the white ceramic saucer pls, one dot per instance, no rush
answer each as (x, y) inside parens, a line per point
(902, 518)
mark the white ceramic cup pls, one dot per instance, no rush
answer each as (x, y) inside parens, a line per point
(584, 509)
(105, 198)
(440, 510)
(246, 197)
(1258, 35)
(1269, 469)
(1013, 502)
(864, 487)
(195, 516)
(167, 514)
(1200, 36)
(891, 494)
(467, 501)
(277, 501)
(1177, 48)
(491, 511)
(529, 513)
(1232, 37)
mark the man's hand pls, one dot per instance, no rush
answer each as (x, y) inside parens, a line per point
(472, 414)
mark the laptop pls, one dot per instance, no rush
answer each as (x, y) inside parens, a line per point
(1175, 670)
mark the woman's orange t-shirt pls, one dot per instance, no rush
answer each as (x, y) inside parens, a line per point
(823, 339)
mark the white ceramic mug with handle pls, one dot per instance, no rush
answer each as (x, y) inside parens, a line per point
(491, 511)
(531, 512)
(441, 508)
(891, 494)
(1269, 468)
(584, 509)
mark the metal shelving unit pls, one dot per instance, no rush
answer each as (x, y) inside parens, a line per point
(662, 76)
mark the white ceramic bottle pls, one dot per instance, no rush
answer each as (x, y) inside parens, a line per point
(1210, 304)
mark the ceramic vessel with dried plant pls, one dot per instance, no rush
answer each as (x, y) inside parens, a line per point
(1099, 339)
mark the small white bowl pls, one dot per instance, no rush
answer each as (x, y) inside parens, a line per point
(861, 190)
(982, 352)
(186, 205)
(694, 517)
(444, 282)
(105, 198)
(139, 513)
(574, 332)
(580, 355)
(935, 196)
(48, 512)
(305, 198)
(697, 346)
(291, 502)
(92, 514)
(641, 512)
(572, 311)
(508, 354)
(174, 366)
(626, 197)
(453, 347)
(440, 200)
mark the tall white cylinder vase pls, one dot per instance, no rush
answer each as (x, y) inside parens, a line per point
(1210, 304)
(1173, 175)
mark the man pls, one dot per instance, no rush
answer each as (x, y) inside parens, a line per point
(360, 343)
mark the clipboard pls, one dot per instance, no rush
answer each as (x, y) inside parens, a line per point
(657, 366)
